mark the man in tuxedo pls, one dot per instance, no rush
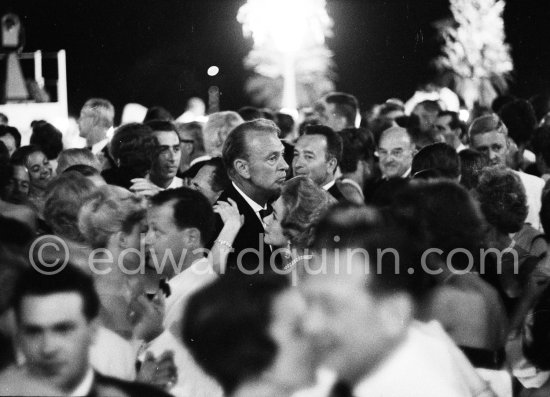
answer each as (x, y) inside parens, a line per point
(254, 157)
(395, 152)
(56, 320)
(360, 316)
(317, 154)
(96, 126)
(338, 110)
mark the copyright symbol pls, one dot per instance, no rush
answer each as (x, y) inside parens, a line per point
(51, 264)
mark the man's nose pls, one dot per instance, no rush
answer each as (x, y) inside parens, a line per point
(283, 164)
(297, 162)
(48, 345)
(268, 219)
(147, 240)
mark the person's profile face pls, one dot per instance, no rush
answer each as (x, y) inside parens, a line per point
(343, 319)
(294, 364)
(202, 182)
(329, 117)
(274, 231)
(55, 336)
(9, 141)
(426, 117)
(266, 164)
(311, 160)
(17, 190)
(164, 241)
(135, 239)
(86, 122)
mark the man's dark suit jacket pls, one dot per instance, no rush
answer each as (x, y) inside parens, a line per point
(248, 238)
(105, 386)
(335, 192)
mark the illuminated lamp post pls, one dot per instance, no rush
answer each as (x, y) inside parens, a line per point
(283, 31)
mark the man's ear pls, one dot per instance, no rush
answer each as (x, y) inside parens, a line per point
(121, 239)
(332, 164)
(192, 237)
(242, 168)
(366, 167)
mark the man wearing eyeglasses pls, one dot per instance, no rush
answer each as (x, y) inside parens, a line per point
(192, 146)
(395, 152)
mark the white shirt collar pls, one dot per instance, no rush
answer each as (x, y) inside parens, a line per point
(329, 185)
(98, 147)
(254, 205)
(350, 181)
(83, 389)
(461, 147)
(176, 183)
(198, 159)
(405, 175)
(110, 133)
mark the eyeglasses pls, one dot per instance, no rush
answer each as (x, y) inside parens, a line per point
(395, 153)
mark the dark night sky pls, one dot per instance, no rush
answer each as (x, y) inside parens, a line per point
(157, 52)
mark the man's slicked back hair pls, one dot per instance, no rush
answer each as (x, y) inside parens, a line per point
(334, 140)
(70, 279)
(191, 210)
(346, 105)
(104, 111)
(353, 227)
(236, 145)
(487, 123)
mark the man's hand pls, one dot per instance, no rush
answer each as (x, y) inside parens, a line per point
(144, 188)
(161, 372)
(229, 212)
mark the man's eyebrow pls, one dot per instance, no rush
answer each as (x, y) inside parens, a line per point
(32, 327)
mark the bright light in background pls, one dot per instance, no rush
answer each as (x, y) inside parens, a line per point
(289, 25)
(213, 70)
(464, 115)
(289, 36)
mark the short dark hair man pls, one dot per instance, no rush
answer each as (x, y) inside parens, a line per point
(11, 137)
(254, 157)
(438, 157)
(362, 302)
(338, 110)
(166, 161)
(317, 154)
(192, 146)
(56, 323)
(427, 112)
(450, 125)
(357, 166)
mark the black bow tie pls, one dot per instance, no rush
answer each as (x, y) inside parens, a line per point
(268, 211)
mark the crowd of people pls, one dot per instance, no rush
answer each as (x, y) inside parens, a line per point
(384, 253)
